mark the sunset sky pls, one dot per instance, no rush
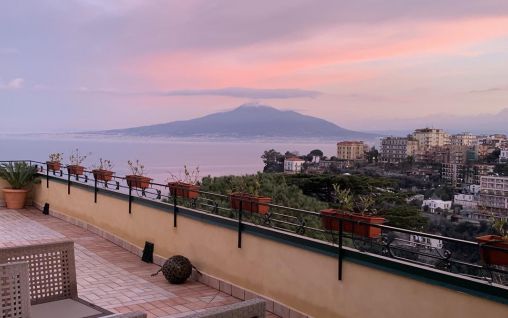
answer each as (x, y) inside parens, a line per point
(365, 65)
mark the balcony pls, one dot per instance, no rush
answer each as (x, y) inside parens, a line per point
(285, 256)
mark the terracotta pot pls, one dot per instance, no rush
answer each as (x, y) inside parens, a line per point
(250, 203)
(15, 198)
(103, 175)
(53, 165)
(76, 170)
(330, 221)
(492, 256)
(140, 182)
(184, 190)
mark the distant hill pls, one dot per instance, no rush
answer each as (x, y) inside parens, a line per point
(249, 120)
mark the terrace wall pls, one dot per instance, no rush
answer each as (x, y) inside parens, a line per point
(300, 278)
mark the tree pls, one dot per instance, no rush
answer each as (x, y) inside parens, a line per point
(501, 169)
(406, 217)
(372, 155)
(273, 160)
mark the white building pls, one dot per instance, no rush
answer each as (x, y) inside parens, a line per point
(425, 242)
(468, 201)
(434, 204)
(293, 165)
(503, 156)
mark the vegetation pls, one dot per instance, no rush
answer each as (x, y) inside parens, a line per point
(19, 174)
(270, 185)
(76, 158)
(104, 164)
(56, 157)
(501, 169)
(137, 168)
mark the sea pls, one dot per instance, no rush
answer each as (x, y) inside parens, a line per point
(162, 157)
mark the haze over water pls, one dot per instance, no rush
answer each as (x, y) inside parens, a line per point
(160, 156)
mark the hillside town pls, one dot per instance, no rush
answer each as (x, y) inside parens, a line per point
(467, 173)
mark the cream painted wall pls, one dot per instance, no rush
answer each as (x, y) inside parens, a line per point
(301, 279)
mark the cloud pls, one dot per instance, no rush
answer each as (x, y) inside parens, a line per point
(15, 83)
(246, 93)
(490, 90)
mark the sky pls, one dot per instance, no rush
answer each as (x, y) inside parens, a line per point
(79, 65)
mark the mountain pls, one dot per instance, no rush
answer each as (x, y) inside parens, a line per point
(249, 120)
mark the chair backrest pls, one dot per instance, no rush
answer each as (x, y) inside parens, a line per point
(14, 290)
(253, 308)
(52, 269)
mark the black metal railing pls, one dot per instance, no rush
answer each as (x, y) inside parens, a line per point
(433, 251)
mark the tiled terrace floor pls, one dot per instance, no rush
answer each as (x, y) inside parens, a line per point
(108, 275)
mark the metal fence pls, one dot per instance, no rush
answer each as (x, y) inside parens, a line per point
(433, 251)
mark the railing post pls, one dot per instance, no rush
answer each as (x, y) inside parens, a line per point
(130, 199)
(95, 190)
(341, 232)
(240, 225)
(68, 182)
(175, 209)
(47, 176)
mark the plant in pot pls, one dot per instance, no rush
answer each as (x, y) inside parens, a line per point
(241, 196)
(186, 186)
(137, 178)
(494, 256)
(350, 216)
(19, 175)
(76, 159)
(55, 161)
(102, 171)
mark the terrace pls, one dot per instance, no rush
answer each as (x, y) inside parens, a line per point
(285, 256)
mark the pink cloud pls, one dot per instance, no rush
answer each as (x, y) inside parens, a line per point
(320, 59)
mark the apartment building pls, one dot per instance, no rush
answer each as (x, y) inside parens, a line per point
(431, 137)
(351, 150)
(458, 175)
(494, 193)
(463, 139)
(398, 149)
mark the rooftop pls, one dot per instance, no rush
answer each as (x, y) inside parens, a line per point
(108, 275)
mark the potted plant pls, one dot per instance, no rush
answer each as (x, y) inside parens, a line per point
(249, 202)
(19, 175)
(493, 256)
(103, 171)
(350, 219)
(186, 186)
(137, 178)
(76, 159)
(55, 161)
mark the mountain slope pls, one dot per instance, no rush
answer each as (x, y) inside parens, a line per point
(247, 121)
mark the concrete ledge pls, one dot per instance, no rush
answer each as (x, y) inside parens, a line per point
(228, 288)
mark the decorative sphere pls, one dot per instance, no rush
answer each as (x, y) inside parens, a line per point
(177, 269)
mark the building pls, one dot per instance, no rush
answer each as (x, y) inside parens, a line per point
(434, 204)
(398, 149)
(494, 194)
(463, 139)
(503, 156)
(431, 137)
(467, 201)
(351, 150)
(462, 175)
(293, 165)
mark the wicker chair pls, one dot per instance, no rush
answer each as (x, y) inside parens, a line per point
(13, 290)
(253, 308)
(52, 288)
